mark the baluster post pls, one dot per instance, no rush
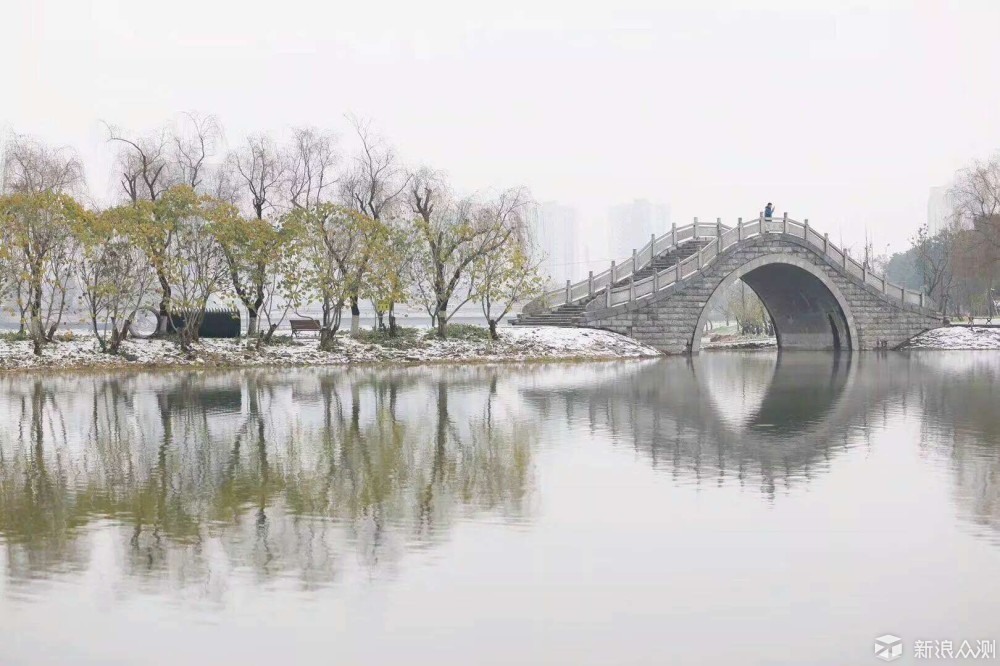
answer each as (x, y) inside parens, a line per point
(590, 283)
(699, 259)
(784, 223)
(635, 261)
(567, 291)
(696, 228)
(677, 271)
(826, 244)
(718, 234)
(611, 284)
(883, 284)
(805, 230)
(921, 298)
(739, 229)
(673, 234)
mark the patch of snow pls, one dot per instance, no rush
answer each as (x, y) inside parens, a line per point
(957, 337)
(741, 342)
(515, 344)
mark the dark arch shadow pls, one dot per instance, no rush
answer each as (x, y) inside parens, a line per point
(805, 313)
(803, 390)
(806, 307)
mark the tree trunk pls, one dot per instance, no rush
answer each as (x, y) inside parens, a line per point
(118, 335)
(442, 319)
(266, 337)
(164, 303)
(35, 310)
(251, 322)
(493, 329)
(355, 316)
(393, 329)
(326, 339)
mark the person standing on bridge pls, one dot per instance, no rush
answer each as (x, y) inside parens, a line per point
(768, 210)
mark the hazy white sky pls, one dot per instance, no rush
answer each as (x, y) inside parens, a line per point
(842, 112)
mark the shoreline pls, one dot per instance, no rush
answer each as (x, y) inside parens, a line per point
(520, 345)
(536, 345)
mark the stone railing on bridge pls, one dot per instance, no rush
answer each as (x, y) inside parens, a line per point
(725, 238)
(641, 258)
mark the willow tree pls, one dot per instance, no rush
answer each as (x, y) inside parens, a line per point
(505, 277)
(389, 281)
(114, 278)
(39, 230)
(196, 265)
(335, 246)
(455, 235)
(256, 255)
(157, 223)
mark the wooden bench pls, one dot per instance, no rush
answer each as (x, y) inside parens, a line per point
(299, 325)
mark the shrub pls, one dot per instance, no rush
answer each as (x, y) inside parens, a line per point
(464, 332)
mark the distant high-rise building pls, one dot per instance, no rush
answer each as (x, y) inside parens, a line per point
(632, 224)
(939, 209)
(556, 230)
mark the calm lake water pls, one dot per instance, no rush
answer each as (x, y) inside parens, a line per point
(757, 508)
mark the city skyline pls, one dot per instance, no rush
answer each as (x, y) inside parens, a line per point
(573, 242)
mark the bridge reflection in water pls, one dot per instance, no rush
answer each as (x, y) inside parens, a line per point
(285, 473)
(777, 419)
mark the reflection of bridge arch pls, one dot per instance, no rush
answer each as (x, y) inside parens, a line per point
(672, 411)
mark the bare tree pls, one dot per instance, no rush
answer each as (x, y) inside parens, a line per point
(144, 163)
(309, 168)
(259, 169)
(31, 167)
(976, 196)
(935, 255)
(196, 142)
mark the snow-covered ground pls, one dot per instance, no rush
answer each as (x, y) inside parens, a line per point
(515, 344)
(740, 342)
(957, 337)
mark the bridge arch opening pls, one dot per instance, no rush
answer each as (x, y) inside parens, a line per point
(806, 307)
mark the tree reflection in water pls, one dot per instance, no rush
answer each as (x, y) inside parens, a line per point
(302, 475)
(276, 474)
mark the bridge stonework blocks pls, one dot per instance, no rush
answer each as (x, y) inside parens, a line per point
(813, 302)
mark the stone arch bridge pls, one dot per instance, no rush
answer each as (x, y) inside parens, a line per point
(818, 297)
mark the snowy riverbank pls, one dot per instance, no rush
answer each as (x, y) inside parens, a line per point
(515, 344)
(957, 337)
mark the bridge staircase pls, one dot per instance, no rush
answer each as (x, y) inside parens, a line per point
(668, 259)
(571, 314)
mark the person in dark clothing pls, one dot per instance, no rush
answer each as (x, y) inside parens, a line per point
(768, 210)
